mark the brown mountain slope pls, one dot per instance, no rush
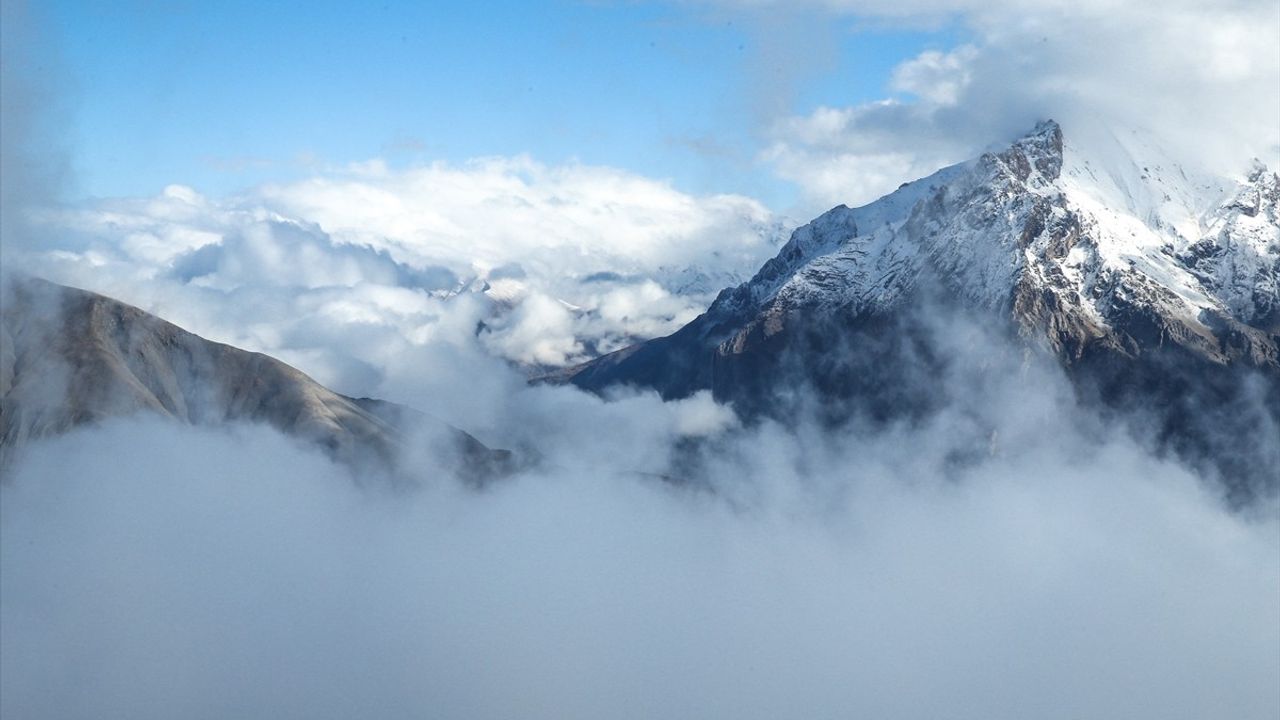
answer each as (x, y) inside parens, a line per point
(69, 358)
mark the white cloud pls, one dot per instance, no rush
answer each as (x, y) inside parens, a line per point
(936, 77)
(232, 573)
(540, 331)
(574, 218)
(699, 415)
(563, 262)
(1201, 77)
(158, 571)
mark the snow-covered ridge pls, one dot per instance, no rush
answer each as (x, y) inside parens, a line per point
(1151, 285)
(1100, 223)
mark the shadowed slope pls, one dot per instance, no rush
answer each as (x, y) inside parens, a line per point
(1152, 286)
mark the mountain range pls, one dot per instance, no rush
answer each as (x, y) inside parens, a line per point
(1154, 286)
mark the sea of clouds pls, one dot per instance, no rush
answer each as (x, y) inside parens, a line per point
(1060, 571)
(1012, 556)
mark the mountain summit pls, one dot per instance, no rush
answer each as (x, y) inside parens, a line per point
(1153, 285)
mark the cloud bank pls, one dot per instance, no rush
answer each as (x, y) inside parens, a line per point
(1008, 558)
(233, 573)
(1201, 77)
(554, 264)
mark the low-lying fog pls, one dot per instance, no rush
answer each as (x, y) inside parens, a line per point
(1057, 571)
(1010, 558)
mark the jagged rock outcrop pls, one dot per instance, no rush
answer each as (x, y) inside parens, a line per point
(70, 358)
(1155, 287)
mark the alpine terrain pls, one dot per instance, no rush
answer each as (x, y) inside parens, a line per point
(70, 357)
(1153, 285)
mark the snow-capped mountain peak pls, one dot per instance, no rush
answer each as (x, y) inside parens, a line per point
(1094, 223)
(1147, 278)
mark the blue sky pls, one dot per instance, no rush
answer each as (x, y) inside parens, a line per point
(225, 95)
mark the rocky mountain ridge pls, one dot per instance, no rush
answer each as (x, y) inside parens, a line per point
(1152, 285)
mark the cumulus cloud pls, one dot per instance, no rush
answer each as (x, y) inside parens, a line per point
(1200, 77)
(430, 255)
(936, 77)
(538, 332)
(510, 208)
(563, 262)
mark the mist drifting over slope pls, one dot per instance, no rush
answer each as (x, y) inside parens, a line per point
(1006, 556)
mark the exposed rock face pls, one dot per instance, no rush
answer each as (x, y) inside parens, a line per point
(70, 357)
(1155, 288)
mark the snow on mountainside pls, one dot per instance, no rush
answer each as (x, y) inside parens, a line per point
(1122, 222)
(1153, 284)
